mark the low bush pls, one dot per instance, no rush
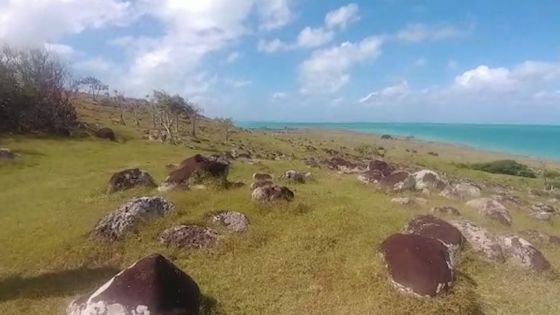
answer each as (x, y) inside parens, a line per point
(508, 167)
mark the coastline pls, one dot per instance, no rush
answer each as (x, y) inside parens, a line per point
(453, 152)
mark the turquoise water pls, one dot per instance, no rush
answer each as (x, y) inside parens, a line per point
(531, 140)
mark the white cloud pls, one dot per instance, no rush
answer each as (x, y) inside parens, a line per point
(273, 46)
(61, 50)
(326, 71)
(237, 83)
(419, 32)
(484, 78)
(275, 14)
(232, 57)
(342, 16)
(392, 92)
(279, 96)
(35, 22)
(314, 37)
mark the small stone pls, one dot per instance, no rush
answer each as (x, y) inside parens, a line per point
(7, 154)
(446, 210)
(189, 236)
(231, 220)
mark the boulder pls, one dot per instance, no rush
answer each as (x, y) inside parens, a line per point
(194, 170)
(106, 133)
(438, 229)
(445, 210)
(130, 178)
(427, 179)
(462, 191)
(117, 223)
(538, 236)
(509, 198)
(262, 177)
(370, 176)
(480, 240)
(409, 201)
(261, 183)
(152, 285)
(6, 154)
(345, 166)
(231, 220)
(189, 236)
(492, 209)
(543, 211)
(381, 166)
(294, 176)
(272, 193)
(398, 181)
(523, 253)
(417, 265)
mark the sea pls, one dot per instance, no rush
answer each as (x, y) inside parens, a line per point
(534, 141)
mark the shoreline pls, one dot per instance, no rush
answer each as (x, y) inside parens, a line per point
(485, 154)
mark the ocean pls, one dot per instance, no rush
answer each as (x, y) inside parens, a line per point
(537, 141)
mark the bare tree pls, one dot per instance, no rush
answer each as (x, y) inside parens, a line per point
(196, 111)
(227, 126)
(119, 101)
(94, 85)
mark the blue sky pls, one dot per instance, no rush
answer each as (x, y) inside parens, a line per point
(310, 60)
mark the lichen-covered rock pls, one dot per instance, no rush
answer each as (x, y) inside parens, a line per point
(231, 220)
(543, 211)
(427, 179)
(261, 183)
(417, 265)
(189, 236)
(294, 176)
(152, 285)
(370, 176)
(117, 223)
(448, 210)
(130, 178)
(272, 193)
(492, 209)
(409, 201)
(196, 169)
(436, 228)
(461, 191)
(7, 154)
(480, 240)
(398, 181)
(523, 253)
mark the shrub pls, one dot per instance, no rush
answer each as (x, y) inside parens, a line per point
(33, 97)
(508, 167)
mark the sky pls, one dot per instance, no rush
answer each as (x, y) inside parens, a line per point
(474, 61)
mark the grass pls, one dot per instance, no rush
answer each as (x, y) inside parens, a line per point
(316, 255)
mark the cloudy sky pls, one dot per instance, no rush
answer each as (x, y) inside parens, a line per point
(313, 60)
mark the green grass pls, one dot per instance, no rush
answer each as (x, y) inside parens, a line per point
(316, 255)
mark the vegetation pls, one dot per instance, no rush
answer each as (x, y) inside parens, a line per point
(33, 96)
(508, 167)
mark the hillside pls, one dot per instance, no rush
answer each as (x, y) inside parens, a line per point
(317, 254)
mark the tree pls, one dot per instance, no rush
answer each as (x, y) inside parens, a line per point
(119, 101)
(227, 126)
(33, 93)
(94, 85)
(196, 111)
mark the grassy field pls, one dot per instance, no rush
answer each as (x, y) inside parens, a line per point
(315, 255)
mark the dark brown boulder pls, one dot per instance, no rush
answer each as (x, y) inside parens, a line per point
(106, 133)
(418, 265)
(195, 169)
(438, 229)
(130, 178)
(383, 167)
(152, 285)
(345, 166)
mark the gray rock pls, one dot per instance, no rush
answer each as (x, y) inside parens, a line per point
(272, 193)
(409, 201)
(492, 209)
(189, 236)
(480, 240)
(461, 191)
(427, 179)
(231, 220)
(523, 253)
(294, 176)
(117, 223)
(262, 177)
